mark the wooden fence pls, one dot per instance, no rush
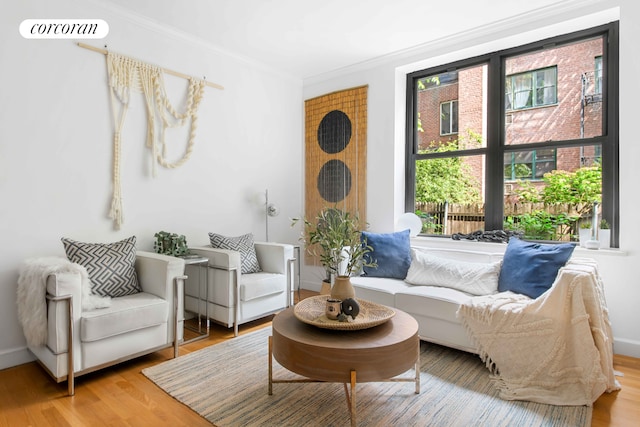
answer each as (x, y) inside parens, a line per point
(450, 218)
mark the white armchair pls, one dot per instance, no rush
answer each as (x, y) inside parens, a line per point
(131, 326)
(235, 298)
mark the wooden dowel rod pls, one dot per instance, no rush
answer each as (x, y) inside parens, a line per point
(166, 70)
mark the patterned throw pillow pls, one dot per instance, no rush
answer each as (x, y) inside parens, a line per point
(242, 244)
(474, 278)
(110, 265)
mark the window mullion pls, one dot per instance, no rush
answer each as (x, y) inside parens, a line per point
(495, 154)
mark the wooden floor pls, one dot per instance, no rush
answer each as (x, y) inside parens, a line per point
(122, 396)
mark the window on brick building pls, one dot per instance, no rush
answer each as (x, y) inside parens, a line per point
(530, 164)
(531, 89)
(598, 75)
(449, 117)
(511, 165)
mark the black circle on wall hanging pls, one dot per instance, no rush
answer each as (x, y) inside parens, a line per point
(334, 132)
(334, 181)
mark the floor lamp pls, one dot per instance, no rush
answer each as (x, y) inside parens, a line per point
(270, 210)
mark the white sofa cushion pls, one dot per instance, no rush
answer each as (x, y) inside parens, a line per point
(433, 301)
(381, 290)
(472, 277)
(126, 314)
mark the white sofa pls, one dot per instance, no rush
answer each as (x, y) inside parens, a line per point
(236, 298)
(435, 307)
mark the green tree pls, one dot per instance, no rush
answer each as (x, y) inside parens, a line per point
(446, 178)
(580, 189)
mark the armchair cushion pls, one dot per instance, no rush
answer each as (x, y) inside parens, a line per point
(259, 285)
(126, 314)
(111, 266)
(243, 244)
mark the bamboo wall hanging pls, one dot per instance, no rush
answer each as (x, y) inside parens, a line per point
(336, 153)
(126, 74)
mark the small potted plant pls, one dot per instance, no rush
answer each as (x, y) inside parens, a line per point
(584, 233)
(335, 238)
(170, 244)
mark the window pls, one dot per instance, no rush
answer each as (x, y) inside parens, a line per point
(449, 117)
(531, 89)
(531, 164)
(598, 75)
(511, 165)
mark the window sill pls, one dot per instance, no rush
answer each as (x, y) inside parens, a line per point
(495, 247)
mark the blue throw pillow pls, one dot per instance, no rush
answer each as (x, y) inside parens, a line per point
(530, 268)
(391, 251)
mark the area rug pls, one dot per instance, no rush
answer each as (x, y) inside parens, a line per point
(227, 384)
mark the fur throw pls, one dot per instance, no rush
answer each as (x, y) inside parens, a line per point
(32, 289)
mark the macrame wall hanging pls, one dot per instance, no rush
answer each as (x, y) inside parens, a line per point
(127, 74)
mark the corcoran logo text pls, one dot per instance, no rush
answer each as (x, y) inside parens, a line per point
(64, 29)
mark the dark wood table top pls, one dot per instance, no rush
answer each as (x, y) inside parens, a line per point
(376, 354)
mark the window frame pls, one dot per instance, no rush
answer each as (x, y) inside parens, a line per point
(495, 147)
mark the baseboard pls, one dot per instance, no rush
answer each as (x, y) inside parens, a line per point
(311, 286)
(15, 357)
(625, 347)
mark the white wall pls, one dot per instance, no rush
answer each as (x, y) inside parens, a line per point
(386, 108)
(56, 147)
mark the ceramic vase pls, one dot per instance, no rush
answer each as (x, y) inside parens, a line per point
(325, 288)
(604, 235)
(342, 288)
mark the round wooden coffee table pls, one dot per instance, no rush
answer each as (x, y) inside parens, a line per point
(376, 354)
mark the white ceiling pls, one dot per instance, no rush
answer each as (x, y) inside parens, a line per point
(306, 38)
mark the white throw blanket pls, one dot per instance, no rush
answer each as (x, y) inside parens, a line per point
(32, 289)
(556, 349)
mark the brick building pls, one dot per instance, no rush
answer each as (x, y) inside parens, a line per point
(554, 94)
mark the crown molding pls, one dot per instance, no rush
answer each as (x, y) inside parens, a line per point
(513, 25)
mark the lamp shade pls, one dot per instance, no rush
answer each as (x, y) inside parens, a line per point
(409, 221)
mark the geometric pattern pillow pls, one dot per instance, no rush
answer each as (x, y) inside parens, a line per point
(110, 265)
(244, 245)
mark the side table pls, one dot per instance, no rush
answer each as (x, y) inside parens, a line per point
(298, 271)
(201, 295)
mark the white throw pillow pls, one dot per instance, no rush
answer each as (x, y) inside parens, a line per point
(471, 277)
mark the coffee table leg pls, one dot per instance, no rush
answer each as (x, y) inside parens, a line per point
(351, 398)
(270, 365)
(418, 371)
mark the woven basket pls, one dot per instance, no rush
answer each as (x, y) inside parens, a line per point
(312, 311)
